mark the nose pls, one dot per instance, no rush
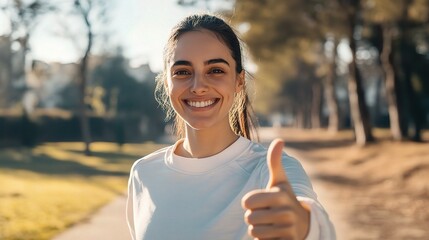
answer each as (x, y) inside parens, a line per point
(199, 84)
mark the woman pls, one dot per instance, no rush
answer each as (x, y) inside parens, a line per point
(215, 183)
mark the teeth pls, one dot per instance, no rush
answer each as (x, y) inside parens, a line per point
(201, 104)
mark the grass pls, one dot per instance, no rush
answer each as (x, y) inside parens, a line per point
(48, 188)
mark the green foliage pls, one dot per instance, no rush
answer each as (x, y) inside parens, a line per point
(274, 24)
(286, 40)
(126, 97)
(282, 36)
(123, 91)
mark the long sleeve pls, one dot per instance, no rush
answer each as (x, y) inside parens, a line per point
(321, 227)
(130, 208)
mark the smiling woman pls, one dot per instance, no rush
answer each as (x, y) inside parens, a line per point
(215, 182)
(203, 71)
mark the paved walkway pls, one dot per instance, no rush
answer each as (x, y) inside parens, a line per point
(107, 224)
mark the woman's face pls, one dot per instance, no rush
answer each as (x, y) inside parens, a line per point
(202, 80)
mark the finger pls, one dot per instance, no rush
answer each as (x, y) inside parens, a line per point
(262, 198)
(277, 216)
(275, 167)
(271, 231)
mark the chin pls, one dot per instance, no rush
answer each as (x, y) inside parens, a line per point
(200, 125)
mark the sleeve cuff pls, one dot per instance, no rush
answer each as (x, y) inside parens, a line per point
(321, 227)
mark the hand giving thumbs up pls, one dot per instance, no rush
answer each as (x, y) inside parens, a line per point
(275, 212)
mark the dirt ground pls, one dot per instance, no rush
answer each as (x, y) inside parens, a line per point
(380, 191)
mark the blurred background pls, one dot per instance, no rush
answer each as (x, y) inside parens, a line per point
(344, 82)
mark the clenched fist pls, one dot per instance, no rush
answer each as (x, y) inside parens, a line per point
(274, 212)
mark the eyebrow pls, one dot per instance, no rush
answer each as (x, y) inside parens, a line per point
(182, 62)
(211, 61)
(216, 60)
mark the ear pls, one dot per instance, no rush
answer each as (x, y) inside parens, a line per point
(239, 81)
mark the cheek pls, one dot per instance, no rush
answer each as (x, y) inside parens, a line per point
(174, 90)
(170, 86)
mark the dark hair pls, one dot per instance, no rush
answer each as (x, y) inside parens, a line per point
(241, 114)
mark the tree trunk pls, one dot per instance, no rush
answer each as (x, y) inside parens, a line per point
(414, 104)
(84, 121)
(316, 105)
(406, 62)
(390, 82)
(376, 113)
(6, 75)
(307, 107)
(358, 108)
(299, 118)
(405, 65)
(85, 125)
(331, 98)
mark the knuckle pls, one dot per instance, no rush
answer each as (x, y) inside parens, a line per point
(288, 233)
(251, 231)
(287, 216)
(280, 199)
(256, 231)
(248, 217)
(248, 201)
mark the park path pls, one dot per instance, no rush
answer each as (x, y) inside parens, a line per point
(336, 209)
(109, 222)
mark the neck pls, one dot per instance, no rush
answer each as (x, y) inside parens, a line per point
(205, 143)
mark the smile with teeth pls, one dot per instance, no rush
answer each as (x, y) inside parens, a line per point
(200, 104)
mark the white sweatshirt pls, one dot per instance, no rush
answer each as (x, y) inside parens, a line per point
(173, 197)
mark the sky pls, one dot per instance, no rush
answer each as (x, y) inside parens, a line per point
(141, 27)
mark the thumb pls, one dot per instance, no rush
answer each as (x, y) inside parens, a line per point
(274, 161)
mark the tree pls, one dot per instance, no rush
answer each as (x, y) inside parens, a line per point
(24, 17)
(332, 29)
(329, 87)
(358, 108)
(274, 35)
(84, 11)
(385, 15)
(279, 45)
(127, 98)
(398, 24)
(90, 12)
(414, 16)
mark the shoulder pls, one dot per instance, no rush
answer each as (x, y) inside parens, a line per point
(257, 153)
(158, 154)
(252, 156)
(298, 178)
(296, 174)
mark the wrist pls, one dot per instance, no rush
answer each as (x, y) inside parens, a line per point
(305, 223)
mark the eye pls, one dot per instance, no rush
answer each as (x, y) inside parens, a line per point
(216, 71)
(181, 72)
